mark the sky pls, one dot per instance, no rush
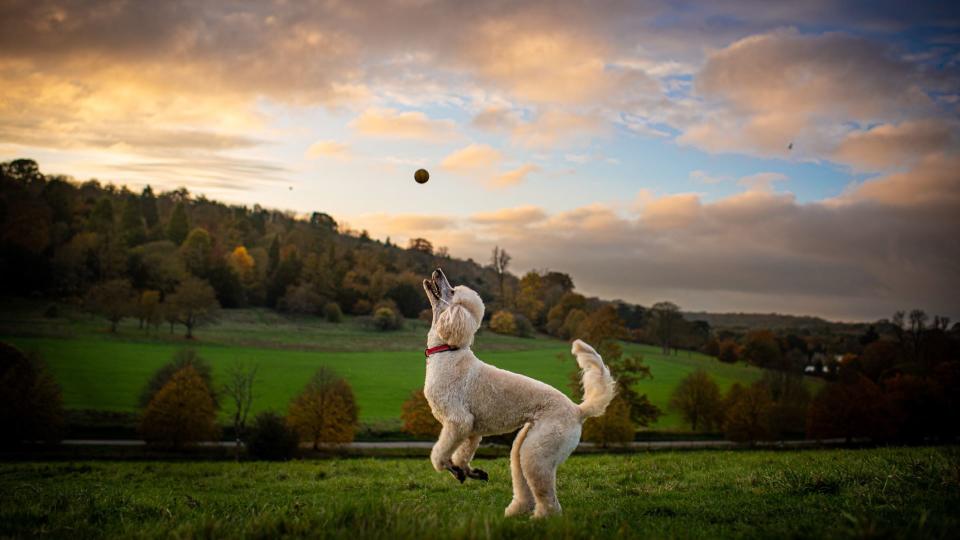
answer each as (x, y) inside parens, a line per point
(731, 156)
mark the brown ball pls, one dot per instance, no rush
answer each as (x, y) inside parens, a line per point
(421, 176)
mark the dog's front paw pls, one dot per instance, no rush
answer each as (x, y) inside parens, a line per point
(478, 474)
(457, 473)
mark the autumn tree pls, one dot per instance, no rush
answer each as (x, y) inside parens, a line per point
(242, 264)
(181, 413)
(114, 300)
(697, 398)
(31, 403)
(500, 261)
(529, 301)
(746, 416)
(728, 351)
(852, 407)
(418, 419)
(760, 348)
(238, 389)
(193, 303)
(503, 322)
(187, 357)
(325, 411)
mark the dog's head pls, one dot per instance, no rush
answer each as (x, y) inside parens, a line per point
(457, 311)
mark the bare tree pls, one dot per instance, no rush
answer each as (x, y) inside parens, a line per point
(239, 389)
(500, 261)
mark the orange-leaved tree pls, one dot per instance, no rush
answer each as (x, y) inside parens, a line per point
(181, 413)
(325, 411)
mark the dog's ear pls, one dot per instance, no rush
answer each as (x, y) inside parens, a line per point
(456, 326)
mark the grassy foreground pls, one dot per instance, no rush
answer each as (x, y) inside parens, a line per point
(895, 492)
(104, 371)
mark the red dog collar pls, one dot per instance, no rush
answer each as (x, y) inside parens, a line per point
(438, 349)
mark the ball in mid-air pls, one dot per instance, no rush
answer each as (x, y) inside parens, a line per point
(421, 176)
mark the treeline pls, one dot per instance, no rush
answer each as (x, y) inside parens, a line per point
(123, 253)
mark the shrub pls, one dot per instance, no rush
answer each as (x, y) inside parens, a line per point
(386, 319)
(181, 413)
(325, 411)
(613, 427)
(31, 404)
(503, 322)
(853, 408)
(418, 419)
(301, 299)
(332, 312)
(270, 438)
(728, 351)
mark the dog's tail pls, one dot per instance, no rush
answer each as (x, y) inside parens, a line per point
(598, 385)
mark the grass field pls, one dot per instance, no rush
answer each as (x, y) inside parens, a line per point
(876, 493)
(102, 371)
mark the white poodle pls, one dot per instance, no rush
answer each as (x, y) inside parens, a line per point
(473, 399)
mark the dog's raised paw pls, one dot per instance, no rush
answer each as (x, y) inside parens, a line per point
(478, 474)
(457, 473)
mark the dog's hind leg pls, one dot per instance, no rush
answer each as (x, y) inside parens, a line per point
(464, 455)
(546, 447)
(522, 502)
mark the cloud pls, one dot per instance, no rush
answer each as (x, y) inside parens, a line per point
(762, 182)
(767, 91)
(520, 215)
(498, 119)
(556, 128)
(707, 178)
(889, 146)
(515, 176)
(391, 123)
(670, 211)
(328, 149)
(472, 158)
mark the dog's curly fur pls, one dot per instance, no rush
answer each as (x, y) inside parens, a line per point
(472, 399)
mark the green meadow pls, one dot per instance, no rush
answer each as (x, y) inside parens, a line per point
(103, 371)
(873, 493)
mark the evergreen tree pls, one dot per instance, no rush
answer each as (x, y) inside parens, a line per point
(134, 232)
(179, 227)
(148, 207)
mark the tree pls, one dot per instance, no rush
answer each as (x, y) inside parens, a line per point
(193, 303)
(148, 308)
(698, 400)
(113, 300)
(242, 264)
(729, 351)
(500, 260)
(195, 252)
(181, 413)
(238, 388)
(420, 244)
(270, 438)
(503, 322)
(747, 411)
(178, 227)
(664, 324)
(614, 426)
(760, 348)
(332, 312)
(181, 359)
(148, 207)
(853, 407)
(529, 301)
(418, 419)
(325, 411)
(31, 402)
(131, 222)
